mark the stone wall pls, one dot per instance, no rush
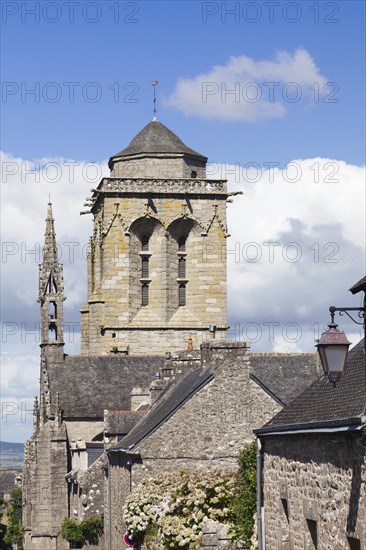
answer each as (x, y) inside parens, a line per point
(206, 433)
(113, 319)
(159, 166)
(45, 493)
(215, 536)
(87, 495)
(314, 491)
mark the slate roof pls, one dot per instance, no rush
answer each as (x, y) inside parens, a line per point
(176, 396)
(89, 384)
(284, 375)
(360, 285)
(156, 138)
(323, 405)
(281, 375)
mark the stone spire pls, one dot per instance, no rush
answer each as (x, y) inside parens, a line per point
(51, 291)
(50, 246)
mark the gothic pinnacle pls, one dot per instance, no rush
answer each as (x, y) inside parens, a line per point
(50, 247)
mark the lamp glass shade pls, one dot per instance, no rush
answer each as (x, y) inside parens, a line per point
(333, 348)
(333, 357)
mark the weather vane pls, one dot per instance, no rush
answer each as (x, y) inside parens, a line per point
(155, 83)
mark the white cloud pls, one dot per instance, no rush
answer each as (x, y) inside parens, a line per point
(245, 89)
(295, 248)
(313, 208)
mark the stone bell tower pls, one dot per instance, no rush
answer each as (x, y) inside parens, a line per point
(157, 258)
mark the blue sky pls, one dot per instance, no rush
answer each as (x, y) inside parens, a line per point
(296, 151)
(168, 41)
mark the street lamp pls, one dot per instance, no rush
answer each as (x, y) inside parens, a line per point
(333, 344)
(333, 348)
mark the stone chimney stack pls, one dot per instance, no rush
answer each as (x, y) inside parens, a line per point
(218, 355)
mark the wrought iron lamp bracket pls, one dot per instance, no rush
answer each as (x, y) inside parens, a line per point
(361, 312)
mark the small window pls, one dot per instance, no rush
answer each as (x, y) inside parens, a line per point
(182, 244)
(182, 268)
(193, 174)
(52, 310)
(285, 507)
(144, 243)
(145, 295)
(145, 268)
(52, 332)
(182, 295)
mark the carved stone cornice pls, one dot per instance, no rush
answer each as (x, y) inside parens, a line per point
(145, 185)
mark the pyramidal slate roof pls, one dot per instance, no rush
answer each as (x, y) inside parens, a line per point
(156, 138)
(174, 398)
(323, 405)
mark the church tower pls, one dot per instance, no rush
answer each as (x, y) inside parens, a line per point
(51, 294)
(157, 258)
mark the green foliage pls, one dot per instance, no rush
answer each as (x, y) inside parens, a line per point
(92, 529)
(78, 533)
(17, 505)
(244, 502)
(14, 528)
(71, 531)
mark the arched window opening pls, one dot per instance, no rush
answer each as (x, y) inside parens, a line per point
(52, 310)
(51, 286)
(52, 332)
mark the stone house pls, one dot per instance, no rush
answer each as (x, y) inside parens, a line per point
(201, 420)
(156, 284)
(313, 456)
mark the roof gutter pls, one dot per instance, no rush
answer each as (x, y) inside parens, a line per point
(321, 429)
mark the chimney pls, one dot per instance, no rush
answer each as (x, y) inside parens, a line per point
(216, 354)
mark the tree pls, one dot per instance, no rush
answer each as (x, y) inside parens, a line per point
(14, 529)
(244, 503)
(78, 533)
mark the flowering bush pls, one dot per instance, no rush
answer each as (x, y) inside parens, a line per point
(175, 505)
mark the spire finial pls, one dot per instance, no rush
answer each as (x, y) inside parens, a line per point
(154, 84)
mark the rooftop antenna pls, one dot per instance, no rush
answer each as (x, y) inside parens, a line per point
(155, 83)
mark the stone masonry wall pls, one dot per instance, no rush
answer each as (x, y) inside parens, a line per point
(206, 433)
(87, 492)
(45, 490)
(113, 319)
(159, 166)
(314, 487)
